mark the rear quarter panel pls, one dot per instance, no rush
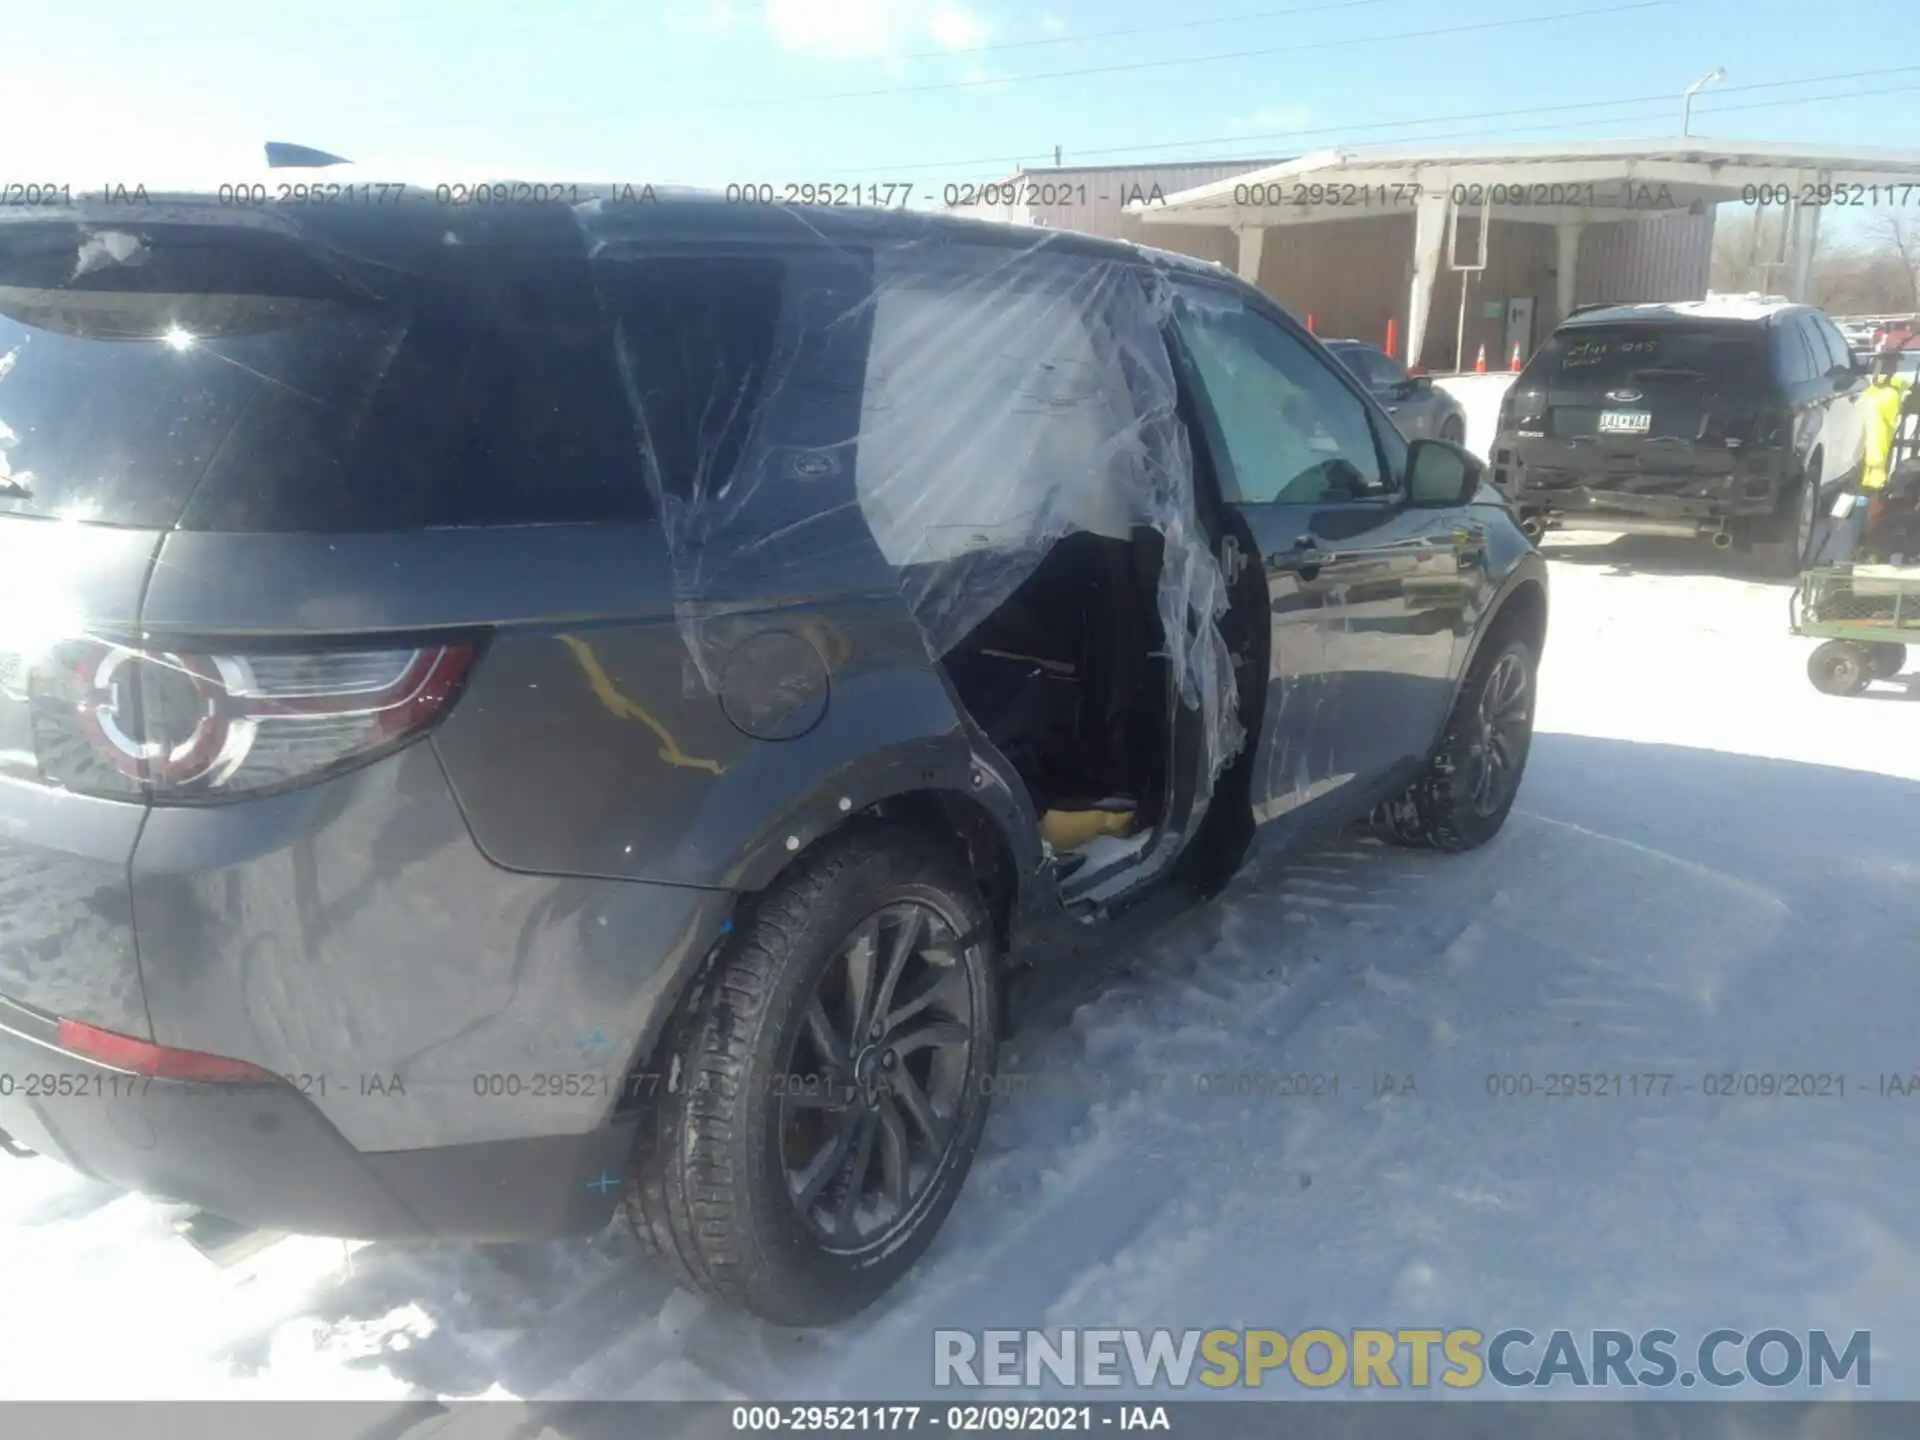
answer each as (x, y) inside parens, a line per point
(350, 937)
(560, 854)
(601, 750)
(1844, 436)
(66, 920)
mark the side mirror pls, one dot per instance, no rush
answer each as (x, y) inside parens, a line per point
(1441, 474)
(1421, 384)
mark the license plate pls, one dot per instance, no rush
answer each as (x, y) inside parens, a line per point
(1625, 422)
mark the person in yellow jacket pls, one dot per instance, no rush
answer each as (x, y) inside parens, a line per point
(1880, 407)
(1882, 404)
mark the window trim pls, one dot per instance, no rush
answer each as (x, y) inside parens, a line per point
(1258, 302)
(1781, 341)
(1837, 350)
(1792, 333)
(1815, 348)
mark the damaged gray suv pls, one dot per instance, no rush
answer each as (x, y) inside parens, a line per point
(509, 713)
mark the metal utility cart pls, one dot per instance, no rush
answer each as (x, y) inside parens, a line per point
(1865, 614)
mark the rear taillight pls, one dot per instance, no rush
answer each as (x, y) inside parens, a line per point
(187, 727)
(1524, 407)
(162, 1062)
(1770, 427)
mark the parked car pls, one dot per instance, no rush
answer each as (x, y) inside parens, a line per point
(1417, 406)
(1867, 334)
(1859, 335)
(1895, 334)
(513, 712)
(1730, 421)
(1852, 328)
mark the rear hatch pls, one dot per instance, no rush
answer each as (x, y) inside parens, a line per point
(1649, 402)
(150, 375)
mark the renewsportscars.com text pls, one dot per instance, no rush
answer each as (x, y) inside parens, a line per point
(1458, 1359)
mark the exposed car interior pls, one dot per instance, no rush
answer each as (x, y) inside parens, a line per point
(1008, 473)
(1068, 678)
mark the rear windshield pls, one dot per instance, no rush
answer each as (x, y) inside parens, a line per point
(218, 379)
(1609, 353)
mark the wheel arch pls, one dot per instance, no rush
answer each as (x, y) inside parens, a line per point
(978, 809)
(1521, 602)
(959, 786)
(1813, 472)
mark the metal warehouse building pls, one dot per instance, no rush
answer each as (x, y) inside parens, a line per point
(1447, 250)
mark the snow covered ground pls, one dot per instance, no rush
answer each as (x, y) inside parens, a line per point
(1712, 868)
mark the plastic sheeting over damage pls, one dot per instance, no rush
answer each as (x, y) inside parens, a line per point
(1008, 397)
(871, 398)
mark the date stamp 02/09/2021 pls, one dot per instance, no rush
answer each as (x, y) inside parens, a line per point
(1357, 197)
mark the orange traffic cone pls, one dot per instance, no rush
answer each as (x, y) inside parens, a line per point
(1514, 365)
(1480, 365)
(1310, 329)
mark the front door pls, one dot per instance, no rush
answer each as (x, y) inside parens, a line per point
(1362, 649)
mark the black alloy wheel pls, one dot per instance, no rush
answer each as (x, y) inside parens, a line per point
(1473, 776)
(875, 1076)
(1502, 730)
(830, 1074)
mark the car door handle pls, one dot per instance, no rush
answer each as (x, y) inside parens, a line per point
(1304, 559)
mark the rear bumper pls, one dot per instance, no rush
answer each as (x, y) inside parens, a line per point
(265, 1156)
(1706, 489)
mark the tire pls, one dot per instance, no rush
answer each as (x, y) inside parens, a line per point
(1786, 552)
(755, 1088)
(1839, 667)
(1454, 429)
(1447, 808)
(1884, 661)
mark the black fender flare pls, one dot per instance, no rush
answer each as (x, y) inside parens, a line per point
(1530, 568)
(960, 767)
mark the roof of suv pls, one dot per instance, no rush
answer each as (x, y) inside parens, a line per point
(1752, 311)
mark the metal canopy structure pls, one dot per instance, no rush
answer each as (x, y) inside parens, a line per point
(1563, 184)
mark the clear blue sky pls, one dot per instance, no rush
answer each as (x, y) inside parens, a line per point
(711, 91)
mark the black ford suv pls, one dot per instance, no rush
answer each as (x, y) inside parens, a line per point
(1731, 421)
(510, 712)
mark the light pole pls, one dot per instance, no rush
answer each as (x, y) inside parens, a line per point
(1686, 103)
